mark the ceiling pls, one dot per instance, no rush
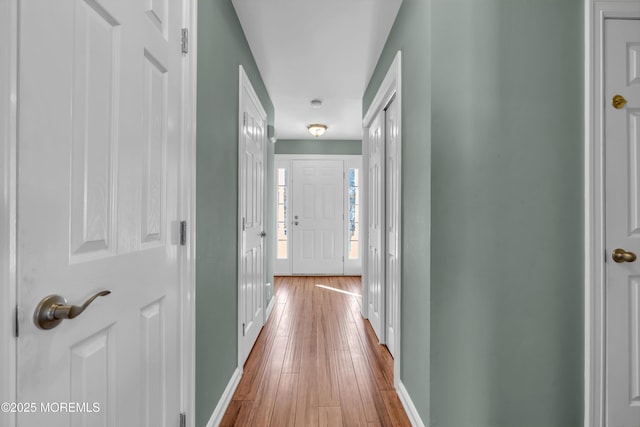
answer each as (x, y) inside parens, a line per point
(317, 49)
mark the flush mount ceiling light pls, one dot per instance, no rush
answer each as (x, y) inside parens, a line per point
(317, 129)
(316, 103)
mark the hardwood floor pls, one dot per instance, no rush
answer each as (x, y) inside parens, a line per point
(317, 362)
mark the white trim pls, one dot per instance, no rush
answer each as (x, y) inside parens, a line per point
(8, 191)
(409, 407)
(244, 85)
(390, 89)
(225, 399)
(364, 216)
(188, 213)
(271, 303)
(596, 11)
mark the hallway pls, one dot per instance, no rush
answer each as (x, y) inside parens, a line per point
(317, 362)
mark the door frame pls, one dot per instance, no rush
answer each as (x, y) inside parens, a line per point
(390, 89)
(596, 12)
(8, 214)
(244, 85)
(188, 199)
(348, 160)
(8, 189)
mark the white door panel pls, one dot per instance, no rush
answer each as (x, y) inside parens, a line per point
(392, 192)
(317, 230)
(622, 153)
(99, 152)
(252, 274)
(376, 263)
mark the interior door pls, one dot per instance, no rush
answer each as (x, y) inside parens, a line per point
(252, 258)
(318, 217)
(392, 194)
(99, 151)
(376, 252)
(622, 212)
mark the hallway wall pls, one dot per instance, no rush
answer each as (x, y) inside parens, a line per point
(410, 34)
(222, 47)
(499, 84)
(321, 146)
(507, 309)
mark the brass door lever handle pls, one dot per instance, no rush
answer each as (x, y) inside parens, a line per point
(54, 309)
(620, 255)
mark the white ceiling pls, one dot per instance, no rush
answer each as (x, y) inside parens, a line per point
(325, 49)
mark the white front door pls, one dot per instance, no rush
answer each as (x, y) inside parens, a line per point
(392, 195)
(318, 217)
(376, 256)
(252, 274)
(622, 212)
(98, 185)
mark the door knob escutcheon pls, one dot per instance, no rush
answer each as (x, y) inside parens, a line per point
(620, 255)
(54, 309)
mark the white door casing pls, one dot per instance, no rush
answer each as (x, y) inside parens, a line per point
(8, 164)
(600, 275)
(101, 139)
(318, 217)
(622, 221)
(251, 168)
(392, 191)
(376, 249)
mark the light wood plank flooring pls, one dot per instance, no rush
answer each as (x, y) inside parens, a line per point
(317, 362)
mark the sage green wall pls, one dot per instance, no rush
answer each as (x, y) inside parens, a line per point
(507, 198)
(222, 47)
(502, 341)
(410, 35)
(321, 146)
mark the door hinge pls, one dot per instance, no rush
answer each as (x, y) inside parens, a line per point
(183, 233)
(16, 326)
(184, 45)
(183, 419)
(244, 223)
(243, 329)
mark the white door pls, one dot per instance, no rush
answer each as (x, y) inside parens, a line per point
(622, 212)
(376, 257)
(252, 274)
(318, 217)
(99, 151)
(392, 267)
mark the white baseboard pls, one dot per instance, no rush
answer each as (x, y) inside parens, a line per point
(409, 407)
(225, 399)
(270, 306)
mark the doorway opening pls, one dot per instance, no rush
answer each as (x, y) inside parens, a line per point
(318, 214)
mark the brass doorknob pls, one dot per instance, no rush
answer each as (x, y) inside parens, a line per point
(618, 102)
(620, 255)
(54, 309)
